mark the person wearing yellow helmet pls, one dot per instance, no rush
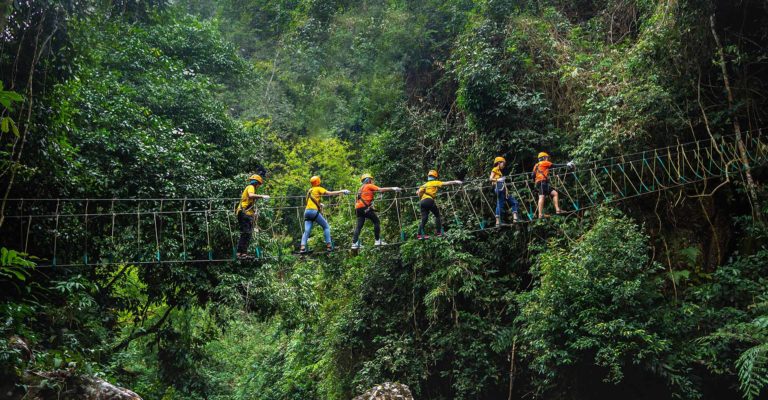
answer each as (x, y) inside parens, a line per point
(246, 212)
(503, 199)
(313, 213)
(364, 209)
(541, 182)
(427, 193)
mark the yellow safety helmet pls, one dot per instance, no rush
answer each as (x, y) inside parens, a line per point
(256, 178)
(543, 154)
(432, 173)
(314, 181)
(366, 176)
(498, 160)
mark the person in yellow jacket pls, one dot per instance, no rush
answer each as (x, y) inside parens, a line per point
(427, 193)
(313, 213)
(246, 210)
(503, 198)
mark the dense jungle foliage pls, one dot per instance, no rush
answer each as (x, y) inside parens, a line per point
(661, 296)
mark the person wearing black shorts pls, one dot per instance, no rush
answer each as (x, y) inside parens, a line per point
(541, 183)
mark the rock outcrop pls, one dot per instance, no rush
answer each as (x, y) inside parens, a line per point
(387, 391)
(75, 386)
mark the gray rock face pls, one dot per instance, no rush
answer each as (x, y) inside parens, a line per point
(387, 391)
(76, 386)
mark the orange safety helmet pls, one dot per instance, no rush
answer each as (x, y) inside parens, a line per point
(542, 155)
(498, 160)
(314, 181)
(256, 178)
(432, 173)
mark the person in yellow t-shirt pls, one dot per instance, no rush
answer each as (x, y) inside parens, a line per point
(503, 199)
(246, 210)
(427, 193)
(313, 213)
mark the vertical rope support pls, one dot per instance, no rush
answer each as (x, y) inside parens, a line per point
(564, 187)
(456, 219)
(56, 233)
(480, 221)
(208, 230)
(138, 230)
(85, 250)
(26, 240)
(112, 232)
(21, 223)
(399, 221)
(520, 199)
(157, 238)
(183, 235)
(231, 237)
(534, 201)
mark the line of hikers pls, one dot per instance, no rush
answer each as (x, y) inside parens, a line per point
(364, 210)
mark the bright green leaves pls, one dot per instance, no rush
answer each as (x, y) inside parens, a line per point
(14, 265)
(594, 305)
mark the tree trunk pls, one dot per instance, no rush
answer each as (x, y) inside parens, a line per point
(751, 187)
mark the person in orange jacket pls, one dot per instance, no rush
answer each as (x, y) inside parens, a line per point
(541, 181)
(364, 209)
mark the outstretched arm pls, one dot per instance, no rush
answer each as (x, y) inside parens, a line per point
(453, 183)
(569, 164)
(336, 193)
(389, 189)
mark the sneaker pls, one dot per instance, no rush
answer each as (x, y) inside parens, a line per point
(355, 245)
(439, 234)
(422, 237)
(380, 243)
(515, 218)
(328, 248)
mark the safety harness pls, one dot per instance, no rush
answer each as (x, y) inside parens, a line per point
(368, 206)
(249, 208)
(318, 205)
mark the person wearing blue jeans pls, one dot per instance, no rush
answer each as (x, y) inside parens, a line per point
(503, 198)
(313, 213)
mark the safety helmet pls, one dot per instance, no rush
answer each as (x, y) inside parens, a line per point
(498, 160)
(256, 178)
(432, 173)
(366, 176)
(543, 154)
(314, 181)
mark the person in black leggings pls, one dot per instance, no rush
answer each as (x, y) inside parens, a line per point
(364, 209)
(427, 193)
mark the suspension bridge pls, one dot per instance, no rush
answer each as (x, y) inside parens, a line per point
(93, 232)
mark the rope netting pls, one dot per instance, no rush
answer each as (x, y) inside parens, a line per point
(91, 232)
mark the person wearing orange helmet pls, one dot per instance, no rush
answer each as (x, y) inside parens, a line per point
(541, 181)
(246, 212)
(364, 209)
(427, 193)
(313, 213)
(503, 199)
